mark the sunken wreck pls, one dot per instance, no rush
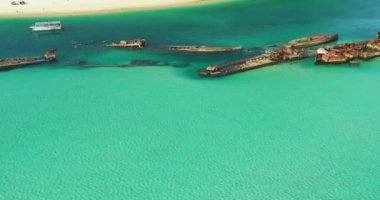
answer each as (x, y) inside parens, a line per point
(12, 63)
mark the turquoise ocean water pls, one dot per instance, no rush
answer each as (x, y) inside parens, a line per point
(291, 131)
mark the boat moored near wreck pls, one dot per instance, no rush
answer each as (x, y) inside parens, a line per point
(47, 26)
(12, 63)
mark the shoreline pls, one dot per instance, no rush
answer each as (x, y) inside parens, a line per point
(99, 9)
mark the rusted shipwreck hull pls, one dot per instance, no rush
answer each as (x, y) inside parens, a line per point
(346, 53)
(12, 63)
(313, 40)
(200, 48)
(237, 66)
(125, 44)
(267, 59)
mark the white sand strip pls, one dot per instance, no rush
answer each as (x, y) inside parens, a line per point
(75, 7)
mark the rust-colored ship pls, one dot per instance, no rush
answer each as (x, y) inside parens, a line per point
(345, 53)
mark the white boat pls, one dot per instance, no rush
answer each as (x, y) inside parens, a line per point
(47, 26)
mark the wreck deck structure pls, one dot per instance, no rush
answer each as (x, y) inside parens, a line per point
(347, 53)
(12, 63)
(124, 44)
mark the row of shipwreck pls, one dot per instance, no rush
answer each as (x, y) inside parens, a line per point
(300, 49)
(293, 50)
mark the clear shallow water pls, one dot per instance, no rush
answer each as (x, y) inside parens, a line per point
(292, 131)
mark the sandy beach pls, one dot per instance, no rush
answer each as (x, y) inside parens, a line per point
(77, 7)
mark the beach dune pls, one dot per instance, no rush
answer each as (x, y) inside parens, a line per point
(73, 7)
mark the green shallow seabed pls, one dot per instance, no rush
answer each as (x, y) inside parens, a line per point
(291, 131)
